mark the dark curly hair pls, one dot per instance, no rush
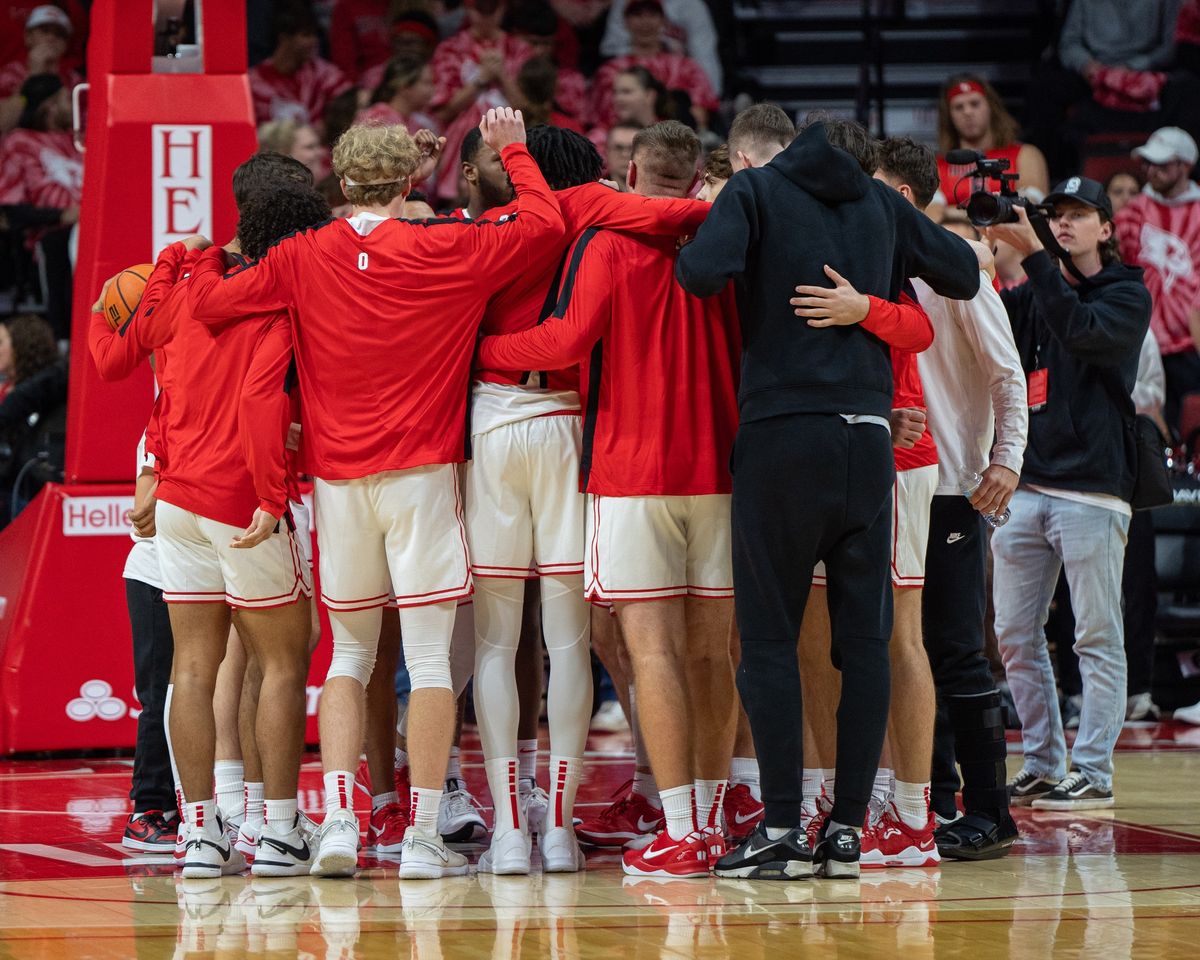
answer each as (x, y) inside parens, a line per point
(33, 346)
(270, 215)
(566, 158)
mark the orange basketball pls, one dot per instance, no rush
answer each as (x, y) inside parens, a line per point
(125, 293)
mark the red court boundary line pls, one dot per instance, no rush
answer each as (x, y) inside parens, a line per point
(148, 932)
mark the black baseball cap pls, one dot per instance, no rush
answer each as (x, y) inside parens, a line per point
(1082, 190)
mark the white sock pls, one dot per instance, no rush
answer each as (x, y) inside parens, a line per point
(453, 765)
(255, 813)
(425, 805)
(527, 752)
(381, 800)
(503, 781)
(833, 827)
(811, 784)
(339, 791)
(881, 790)
(564, 783)
(202, 815)
(776, 833)
(230, 791)
(281, 814)
(743, 771)
(401, 759)
(644, 785)
(912, 803)
(677, 804)
(710, 794)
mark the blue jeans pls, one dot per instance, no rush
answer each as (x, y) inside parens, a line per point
(1045, 535)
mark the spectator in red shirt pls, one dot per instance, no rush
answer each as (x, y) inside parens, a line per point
(47, 34)
(414, 36)
(402, 95)
(359, 35)
(476, 70)
(295, 83)
(646, 24)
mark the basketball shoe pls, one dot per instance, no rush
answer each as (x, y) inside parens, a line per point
(742, 811)
(337, 846)
(560, 851)
(890, 842)
(508, 855)
(536, 802)
(207, 852)
(837, 854)
(459, 819)
(628, 818)
(282, 853)
(761, 858)
(425, 858)
(668, 857)
(386, 831)
(816, 823)
(153, 831)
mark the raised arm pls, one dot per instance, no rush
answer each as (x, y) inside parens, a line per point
(717, 254)
(580, 318)
(117, 353)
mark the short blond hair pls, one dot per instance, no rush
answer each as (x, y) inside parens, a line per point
(381, 157)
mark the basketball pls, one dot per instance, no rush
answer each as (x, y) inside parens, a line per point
(125, 293)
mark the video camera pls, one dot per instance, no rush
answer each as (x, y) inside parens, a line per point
(985, 209)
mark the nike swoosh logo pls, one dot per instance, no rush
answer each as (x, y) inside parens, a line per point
(739, 819)
(225, 851)
(954, 538)
(647, 855)
(645, 826)
(300, 853)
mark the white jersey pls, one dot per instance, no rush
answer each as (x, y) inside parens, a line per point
(974, 384)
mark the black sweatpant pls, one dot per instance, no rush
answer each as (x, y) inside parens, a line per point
(953, 606)
(809, 487)
(153, 649)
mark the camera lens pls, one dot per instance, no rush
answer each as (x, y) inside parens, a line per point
(985, 209)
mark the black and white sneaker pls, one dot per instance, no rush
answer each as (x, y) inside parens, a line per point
(1027, 786)
(1075, 792)
(761, 858)
(837, 855)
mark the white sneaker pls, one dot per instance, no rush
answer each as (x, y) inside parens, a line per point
(282, 854)
(208, 853)
(246, 840)
(535, 801)
(337, 854)
(560, 851)
(427, 858)
(1141, 707)
(610, 718)
(1188, 714)
(459, 819)
(508, 855)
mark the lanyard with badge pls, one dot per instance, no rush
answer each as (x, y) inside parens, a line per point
(1038, 379)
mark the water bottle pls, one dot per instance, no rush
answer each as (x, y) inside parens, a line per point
(968, 483)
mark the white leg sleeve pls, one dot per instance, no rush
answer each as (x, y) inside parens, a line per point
(355, 643)
(498, 605)
(462, 649)
(425, 633)
(566, 625)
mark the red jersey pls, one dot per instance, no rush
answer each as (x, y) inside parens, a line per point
(220, 454)
(673, 70)
(905, 327)
(659, 368)
(385, 315)
(956, 190)
(522, 305)
(301, 96)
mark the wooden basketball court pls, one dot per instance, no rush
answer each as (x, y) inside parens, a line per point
(1105, 885)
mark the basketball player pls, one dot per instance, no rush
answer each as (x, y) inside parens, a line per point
(975, 389)
(525, 512)
(385, 313)
(654, 466)
(487, 181)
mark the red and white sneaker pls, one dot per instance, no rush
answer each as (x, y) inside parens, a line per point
(742, 811)
(814, 826)
(890, 842)
(626, 819)
(400, 780)
(714, 842)
(386, 832)
(667, 857)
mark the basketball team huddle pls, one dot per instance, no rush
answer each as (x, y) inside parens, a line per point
(536, 409)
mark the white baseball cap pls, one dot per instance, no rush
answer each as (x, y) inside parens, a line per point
(48, 15)
(1167, 144)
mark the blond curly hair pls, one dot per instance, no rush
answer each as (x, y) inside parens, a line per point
(369, 153)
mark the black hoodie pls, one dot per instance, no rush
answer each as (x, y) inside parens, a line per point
(1088, 338)
(776, 227)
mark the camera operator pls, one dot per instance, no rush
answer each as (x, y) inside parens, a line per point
(1079, 342)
